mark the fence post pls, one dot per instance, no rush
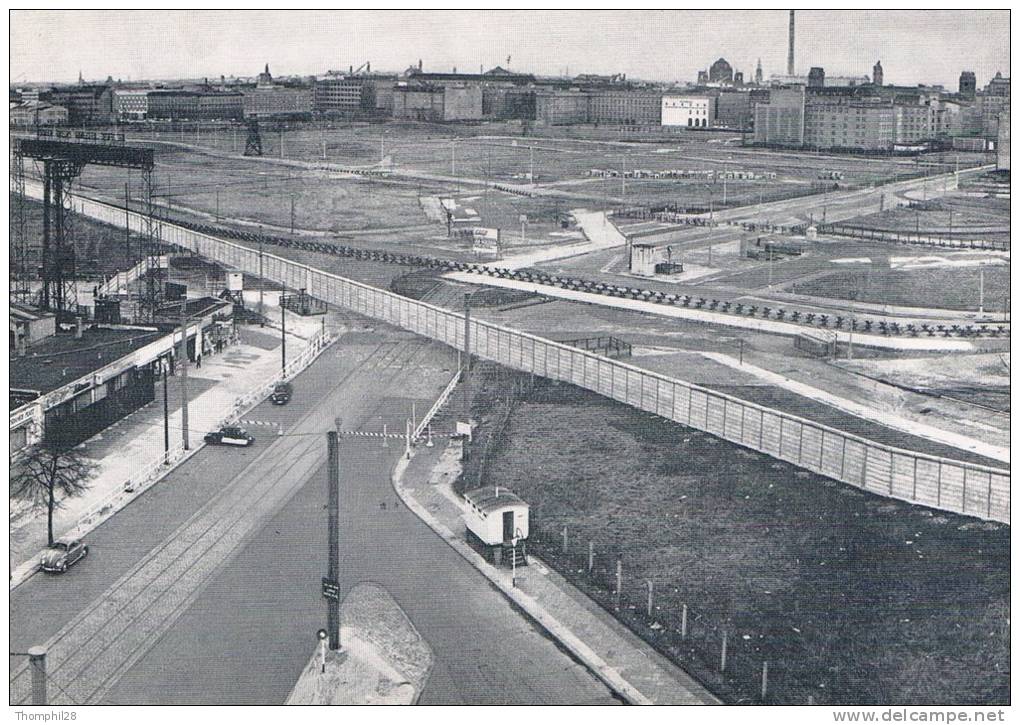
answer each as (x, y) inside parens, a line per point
(683, 622)
(722, 658)
(764, 680)
(619, 582)
(591, 555)
(564, 540)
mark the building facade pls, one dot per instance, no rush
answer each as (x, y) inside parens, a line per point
(561, 108)
(689, 111)
(269, 101)
(780, 121)
(968, 84)
(627, 107)
(24, 115)
(733, 109)
(131, 103)
(86, 105)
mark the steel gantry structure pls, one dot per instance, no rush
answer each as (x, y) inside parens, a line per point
(62, 162)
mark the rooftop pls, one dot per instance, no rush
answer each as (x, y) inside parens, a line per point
(492, 498)
(60, 359)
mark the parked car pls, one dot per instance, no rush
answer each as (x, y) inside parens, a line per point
(63, 554)
(281, 393)
(230, 436)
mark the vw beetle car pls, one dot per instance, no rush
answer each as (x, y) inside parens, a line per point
(62, 555)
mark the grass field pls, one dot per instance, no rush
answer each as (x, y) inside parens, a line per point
(962, 214)
(954, 288)
(852, 598)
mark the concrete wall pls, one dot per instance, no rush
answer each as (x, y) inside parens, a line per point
(910, 476)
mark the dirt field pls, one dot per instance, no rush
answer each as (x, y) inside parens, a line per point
(851, 598)
(966, 214)
(954, 288)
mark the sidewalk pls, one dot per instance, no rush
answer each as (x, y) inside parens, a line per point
(130, 445)
(614, 654)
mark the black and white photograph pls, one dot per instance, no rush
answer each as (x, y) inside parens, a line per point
(509, 357)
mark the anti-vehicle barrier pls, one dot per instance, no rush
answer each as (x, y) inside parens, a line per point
(916, 477)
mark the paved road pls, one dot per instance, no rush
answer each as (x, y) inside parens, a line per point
(206, 590)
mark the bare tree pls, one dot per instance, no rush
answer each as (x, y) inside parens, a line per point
(47, 475)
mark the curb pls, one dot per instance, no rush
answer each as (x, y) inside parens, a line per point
(595, 664)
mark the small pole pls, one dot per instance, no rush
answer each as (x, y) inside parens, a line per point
(217, 206)
(322, 654)
(564, 539)
(385, 438)
(283, 335)
(741, 351)
(591, 556)
(466, 369)
(414, 416)
(37, 664)
(262, 284)
(981, 290)
(407, 439)
(619, 582)
(764, 680)
(292, 214)
(722, 659)
(429, 443)
(166, 420)
(683, 622)
(184, 375)
(333, 610)
(650, 590)
(127, 222)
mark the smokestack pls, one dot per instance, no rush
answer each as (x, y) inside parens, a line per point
(789, 54)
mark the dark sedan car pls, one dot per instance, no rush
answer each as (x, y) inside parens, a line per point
(63, 554)
(230, 436)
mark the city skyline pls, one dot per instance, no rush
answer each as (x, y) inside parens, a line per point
(54, 46)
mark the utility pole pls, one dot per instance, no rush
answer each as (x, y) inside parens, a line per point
(981, 290)
(466, 365)
(217, 206)
(333, 575)
(283, 335)
(166, 418)
(127, 222)
(292, 214)
(262, 284)
(184, 373)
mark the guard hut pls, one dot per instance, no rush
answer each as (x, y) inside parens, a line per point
(497, 523)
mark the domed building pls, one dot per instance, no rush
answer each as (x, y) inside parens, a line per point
(720, 72)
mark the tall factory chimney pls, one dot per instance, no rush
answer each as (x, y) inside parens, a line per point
(789, 53)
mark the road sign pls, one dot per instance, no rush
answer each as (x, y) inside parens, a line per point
(330, 589)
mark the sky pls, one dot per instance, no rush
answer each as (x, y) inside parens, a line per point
(915, 46)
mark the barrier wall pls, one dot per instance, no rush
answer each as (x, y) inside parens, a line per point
(915, 477)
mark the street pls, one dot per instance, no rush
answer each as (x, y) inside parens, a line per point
(206, 589)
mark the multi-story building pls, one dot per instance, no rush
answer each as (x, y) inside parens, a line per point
(1002, 144)
(288, 101)
(561, 108)
(991, 103)
(426, 102)
(503, 103)
(689, 111)
(816, 77)
(86, 104)
(173, 104)
(848, 122)
(131, 103)
(220, 105)
(733, 109)
(628, 107)
(780, 121)
(350, 93)
(968, 84)
(37, 114)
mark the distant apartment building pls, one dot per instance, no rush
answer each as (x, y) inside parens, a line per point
(733, 109)
(561, 108)
(285, 101)
(1002, 143)
(991, 103)
(780, 121)
(191, 105)
(968, 84)
(850, 123)
(503, 103)
(426, 102)
(689, 111)
(347, 94)
(627, 107)
(37, 114)
(131, 103)
(86, 105)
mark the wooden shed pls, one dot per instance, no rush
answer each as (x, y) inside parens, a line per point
(495, 518)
